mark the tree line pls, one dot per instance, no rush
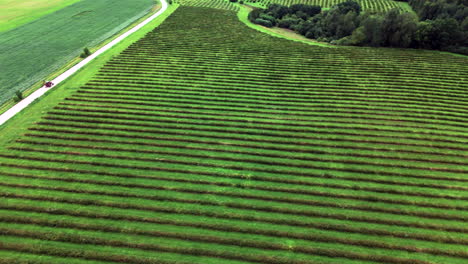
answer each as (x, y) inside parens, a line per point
(435, 24)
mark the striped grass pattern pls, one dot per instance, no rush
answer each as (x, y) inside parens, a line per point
(209, 142)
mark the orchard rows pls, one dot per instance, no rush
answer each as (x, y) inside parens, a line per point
(209, 142)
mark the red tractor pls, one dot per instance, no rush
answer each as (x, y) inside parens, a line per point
(48, 84)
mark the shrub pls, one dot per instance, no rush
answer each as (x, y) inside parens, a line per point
(241, 2)
(233, 1)
(289, 21)
(19, 96)
(85, 53)
(263, 22)
(254, 15)
(269, 18)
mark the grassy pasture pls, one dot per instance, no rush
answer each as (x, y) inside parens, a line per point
(209, 142)
(14, 13)
(35, 50)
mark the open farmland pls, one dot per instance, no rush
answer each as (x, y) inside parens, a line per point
(15, 13)
(209, 142)
(31, 52)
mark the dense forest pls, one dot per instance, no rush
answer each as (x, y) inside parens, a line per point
(435, 24)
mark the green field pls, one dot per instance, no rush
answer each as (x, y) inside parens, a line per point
(33, 51)
(207, 141)
(15, 13)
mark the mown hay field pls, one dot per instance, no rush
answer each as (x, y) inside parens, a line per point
(16, 13)
(37, 49)
(209, 142)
